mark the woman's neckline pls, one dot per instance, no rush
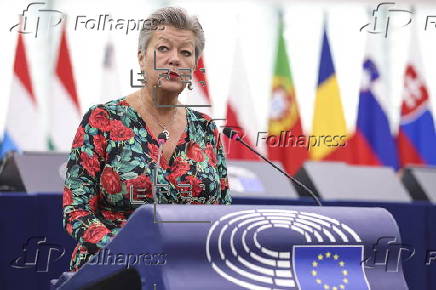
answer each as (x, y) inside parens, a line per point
(153, 137)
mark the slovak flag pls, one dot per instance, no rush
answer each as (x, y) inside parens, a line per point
(65, 108)
(372, 142)
(416, 135)
(24, 130)
(198, 97)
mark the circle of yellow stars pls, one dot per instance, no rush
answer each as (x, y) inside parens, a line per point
(341, 264)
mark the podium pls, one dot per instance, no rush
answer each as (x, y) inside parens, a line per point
(252, 247)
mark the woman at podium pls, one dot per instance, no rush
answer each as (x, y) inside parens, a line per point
(144, 147)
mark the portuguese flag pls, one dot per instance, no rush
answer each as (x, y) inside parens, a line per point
(285, 142)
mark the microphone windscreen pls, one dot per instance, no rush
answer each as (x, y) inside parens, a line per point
(162, 136)
(230, 133)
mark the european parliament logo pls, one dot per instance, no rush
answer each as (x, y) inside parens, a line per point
(286, 249)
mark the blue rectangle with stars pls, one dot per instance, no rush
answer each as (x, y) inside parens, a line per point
(329, 267)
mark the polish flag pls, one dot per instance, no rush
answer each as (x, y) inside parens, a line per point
(65, 107)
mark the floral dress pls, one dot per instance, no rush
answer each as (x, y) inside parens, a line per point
(111, 167)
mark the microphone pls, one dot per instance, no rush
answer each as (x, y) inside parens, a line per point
(233, 135)
(161, 140)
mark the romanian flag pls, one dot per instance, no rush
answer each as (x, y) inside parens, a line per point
(416, 136)
(329, 128)
(284, 119)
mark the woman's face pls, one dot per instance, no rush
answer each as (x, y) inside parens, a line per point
(175, 50)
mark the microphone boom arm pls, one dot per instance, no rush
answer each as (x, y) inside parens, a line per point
(234, 136)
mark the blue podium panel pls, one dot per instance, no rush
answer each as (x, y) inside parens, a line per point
(253, 247)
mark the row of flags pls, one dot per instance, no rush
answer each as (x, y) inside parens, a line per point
(23, 128)
(372, 143)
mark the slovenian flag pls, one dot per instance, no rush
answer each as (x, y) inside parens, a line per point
(373, 143)
(23, 130)
(240, 111)
(416, 136)
(328, 119)
(284, 117)
(65, 108)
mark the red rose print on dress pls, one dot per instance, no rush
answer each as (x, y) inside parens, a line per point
(194, 152)
(91, 164)
(180, 166)
(100, 119)
(196, 185)
(110, 181)
(100, 191)
(182, 139)
(95, 233)
(75, 252)
(112, 215)
(141, 187)
(123, 103)
(153, 151)
(69, 229)
(210, 152)
(67, 197)
(224, 183)
(93, 202)
(100, 145)
(119, 132)
(78, 139)
(78, 214)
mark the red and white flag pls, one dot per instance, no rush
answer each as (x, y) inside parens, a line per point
(416, 136)
(240, 111)
(110, 85)
(23, 130)
(199, 95)
(65, 108)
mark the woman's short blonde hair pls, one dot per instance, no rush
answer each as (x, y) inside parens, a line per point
(176, 17)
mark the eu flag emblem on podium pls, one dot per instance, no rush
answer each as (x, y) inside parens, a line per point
(329, 267)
